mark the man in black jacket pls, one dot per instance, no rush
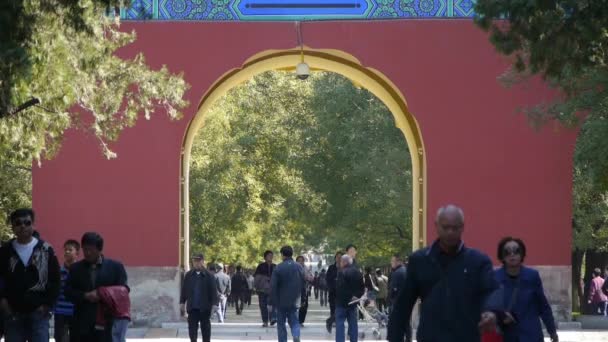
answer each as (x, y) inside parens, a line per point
(456, 285)
(240, 289)
(349, 288)
(330, 279)
(396, 279)
(199, 297)
(30, 272)
(86, 276)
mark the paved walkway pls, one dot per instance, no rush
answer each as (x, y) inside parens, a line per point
(249, 327)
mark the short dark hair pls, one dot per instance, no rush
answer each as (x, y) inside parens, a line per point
(21, 212)
(398, 257)
(287, 251)
(504, 241)
(368, 269)
(92, 239)
(267, 252)
(73, 243)
(597, 272)
(340, 253)
(239, 268)
(300, 257)
(349, 246)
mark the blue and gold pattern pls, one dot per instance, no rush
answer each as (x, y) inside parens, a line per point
(288, 10)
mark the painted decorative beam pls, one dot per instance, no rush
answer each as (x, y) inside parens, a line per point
(291, 10)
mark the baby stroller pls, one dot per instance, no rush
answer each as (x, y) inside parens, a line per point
(372, 318)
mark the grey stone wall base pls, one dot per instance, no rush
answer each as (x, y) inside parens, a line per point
(154, 295)
(557, 281)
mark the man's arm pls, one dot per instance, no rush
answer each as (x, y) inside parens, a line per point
(122, 274)
(185, 289)
(399, 321)
(73, 290)
(214, 298)
(53, 285)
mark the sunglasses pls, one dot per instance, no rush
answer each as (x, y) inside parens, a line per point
(511, 251)
(19, 223)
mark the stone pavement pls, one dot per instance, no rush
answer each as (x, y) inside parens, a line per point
(249, 327)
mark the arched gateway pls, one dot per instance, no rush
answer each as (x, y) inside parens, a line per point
(477, 152)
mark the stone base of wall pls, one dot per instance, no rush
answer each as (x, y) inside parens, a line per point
(154, 295)
(557, 281)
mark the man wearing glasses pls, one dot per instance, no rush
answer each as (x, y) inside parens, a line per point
(30, 271)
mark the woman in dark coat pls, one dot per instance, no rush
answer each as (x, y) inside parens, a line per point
(523, 296)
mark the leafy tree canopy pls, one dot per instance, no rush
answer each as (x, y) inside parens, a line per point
(315, 164)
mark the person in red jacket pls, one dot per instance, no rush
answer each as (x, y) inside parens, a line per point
(597, 297)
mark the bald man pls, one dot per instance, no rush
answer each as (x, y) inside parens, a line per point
(455, 284)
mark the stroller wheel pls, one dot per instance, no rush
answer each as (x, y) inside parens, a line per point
(376, 334)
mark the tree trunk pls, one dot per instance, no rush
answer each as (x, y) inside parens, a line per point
(578, 299)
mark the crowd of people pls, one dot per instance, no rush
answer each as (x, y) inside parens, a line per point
(88, 298)
(461, 296)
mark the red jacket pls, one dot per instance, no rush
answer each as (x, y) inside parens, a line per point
(595, 291)
(113, 301)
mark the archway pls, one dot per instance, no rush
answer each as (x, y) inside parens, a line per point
(329, 60)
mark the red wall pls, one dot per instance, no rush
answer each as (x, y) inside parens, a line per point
(482, 155)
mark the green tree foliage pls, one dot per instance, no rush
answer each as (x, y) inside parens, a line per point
(315, 164)
(65, 54)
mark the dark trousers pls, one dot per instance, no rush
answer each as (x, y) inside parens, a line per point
(316, 292)
(62, 331)
(303, 310)
(332, 307)
(323, 294)
(239, 302)
(93, 336)
(196, 317)
(249, 295)
(264, 304)
(32, 326)
(381, 304)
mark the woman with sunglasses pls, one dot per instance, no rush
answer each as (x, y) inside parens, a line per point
(524, 298)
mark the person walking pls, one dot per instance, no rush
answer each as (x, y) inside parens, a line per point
(331, 278)
(456, 285)
(323, 287)
(597, 298)
(523, 296)
(396, 279)
(31, 281)
(223, 291)
(198, 298)
(240, 289)
(250, 285)
(262, 276)
(308, 279)
(87, 285)
(64, 309)
(287, 284)
(349, 288)
(315, 284)
(382, 283)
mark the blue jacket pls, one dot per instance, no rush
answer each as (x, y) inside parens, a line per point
(454, 290)
(530, 304)
(287, 283)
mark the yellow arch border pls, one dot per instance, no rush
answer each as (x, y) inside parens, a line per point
(329, 60)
